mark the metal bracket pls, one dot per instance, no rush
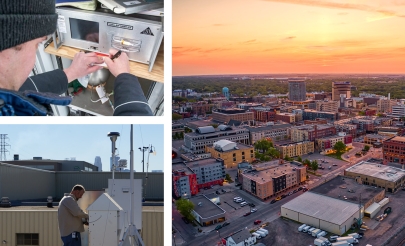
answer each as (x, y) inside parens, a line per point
(155, 50)
(55, 40)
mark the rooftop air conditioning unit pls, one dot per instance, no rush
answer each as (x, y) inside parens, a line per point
(5, 202)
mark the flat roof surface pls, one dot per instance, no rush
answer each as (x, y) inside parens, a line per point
(269, 127)
(340, 185)
(241, 236)
(396, 139)
(312, 127)
(322, 207)
(181, 167)
(207, 208)
(203, 162)
(29, 208)
(263, 174)
(377, 170)
(200, 123)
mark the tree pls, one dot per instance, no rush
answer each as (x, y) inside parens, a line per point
(176, 116)
(287, 158)
(185, 207)
(339, 147)
(176, 135)
(228, 177)
(314, 165)
(214, 125)
(187, 130)
(366, 147)
(299, 159)
(181, 135)
(264, 145)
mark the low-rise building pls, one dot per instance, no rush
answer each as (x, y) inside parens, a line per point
(239, 238)
(398, 110)
(327, 106)
(208, 171)
(377, 175)
(326, 144)
(267, 180)
(310, 114)
(296, 149)
(394, 150)
(206, 212)
(184, 181)
(311, 132)
(223, 116)
(195, 142)
(274, 131)
(231, 152)
(286, 117)
(374, 138)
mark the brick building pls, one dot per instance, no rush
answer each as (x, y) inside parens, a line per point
(295, 149)
(394, 150)
(232, 153)
(286, 117)
(225, 115)
(311, 132)
(263, 114)
(269, 180)
(310, 114)
(327, 143)
(274, 131)
(201, 108)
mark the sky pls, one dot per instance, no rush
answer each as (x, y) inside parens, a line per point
(288, 36)
(84, 142)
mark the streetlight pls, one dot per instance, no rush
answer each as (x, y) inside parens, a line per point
(143, 149)
(219, 235)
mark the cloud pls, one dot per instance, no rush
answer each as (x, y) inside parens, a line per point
(343, 13)
(335, 5)
(289, 38)
(249, 41)
(213, 50)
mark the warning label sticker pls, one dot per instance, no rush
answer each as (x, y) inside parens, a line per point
(61, 24)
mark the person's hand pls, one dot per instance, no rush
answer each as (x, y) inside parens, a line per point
(119, 65)
(82, 65)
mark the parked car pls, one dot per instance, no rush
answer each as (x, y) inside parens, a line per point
(248, 213)
(242, 204)
(253, 210)
(305, 189)
(334, 165)
(225, 224)
(218, 192)
(300, 188)
(283, 196)
(257, 222)
(185, 220)
(252, 205)
(290, 193)
(295, 191)
(223, 190)
(273, 201)
(218, 227)
(278, 198)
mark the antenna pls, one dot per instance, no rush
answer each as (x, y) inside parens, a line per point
(3, 145)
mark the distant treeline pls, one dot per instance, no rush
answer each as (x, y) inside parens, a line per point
(380, 86)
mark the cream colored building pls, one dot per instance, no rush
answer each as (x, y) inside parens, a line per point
(384, 105)
(373, 138)
(269, 180)
(327, 106)
(296, 149)
(232, 153)
(41, 225)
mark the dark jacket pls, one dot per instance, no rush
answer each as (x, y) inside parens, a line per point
(129, 99)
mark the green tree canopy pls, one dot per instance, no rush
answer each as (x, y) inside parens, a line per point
(339, 147)
(185, 207)
(187, 130)
(366, 147)
(314, 165)
(176, 116)
(299, 158)
(264, 145)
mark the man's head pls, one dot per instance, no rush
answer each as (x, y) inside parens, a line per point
(23, 25)
(78, 191)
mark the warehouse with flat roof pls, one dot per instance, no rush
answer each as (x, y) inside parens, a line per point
(327, 213)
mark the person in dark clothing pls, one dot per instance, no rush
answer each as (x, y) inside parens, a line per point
(24, 24)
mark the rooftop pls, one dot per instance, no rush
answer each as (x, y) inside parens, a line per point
(377, 171)
(241, 236)
(378, 136)
(399, 139)
(265, 174)
(269, 127)
(323, 207)
(312, 127)
(181, 167)
(339, 186)
(206, 208)
(204, 162)
(222, 146)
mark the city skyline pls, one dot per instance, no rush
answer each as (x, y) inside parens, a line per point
(84, 143)
(288, 36)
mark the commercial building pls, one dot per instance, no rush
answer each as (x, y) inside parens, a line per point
(296, 149)
(232, 153)
(208, 171)
(285, 117)
(345, 126)
(206, 212)
(326, 143)
(267, 180)
(311, 132)
(371, 139)
(310, 114)
(274, 131)
(377, 175)
(223, 116)
(184, 181)
(195, 142)
(201, 108)
(394, 150)
(297, 90)
(384, 105)
(264, 114)
(340, 88)
(326, 213)
(398, 110)
(327, 106)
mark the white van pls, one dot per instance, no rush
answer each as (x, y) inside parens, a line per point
(305, 229)
(301, 227)
(321, 234)
(310, 230)
(257, 235)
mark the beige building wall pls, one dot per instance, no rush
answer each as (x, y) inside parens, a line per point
(381, 183)
(264, 190)
(233, 157)
(45, 223)
(298, 149)
(327, 106)
(298, 135)
(221, 117)
(384, 106)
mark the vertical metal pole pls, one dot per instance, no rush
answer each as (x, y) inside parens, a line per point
(143, 159)
(113, 158)
(131, 176)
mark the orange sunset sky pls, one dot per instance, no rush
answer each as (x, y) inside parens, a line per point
(291, 36)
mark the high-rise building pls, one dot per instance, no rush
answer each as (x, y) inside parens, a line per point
(97, 163)
(297, 90)
(341, 88)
